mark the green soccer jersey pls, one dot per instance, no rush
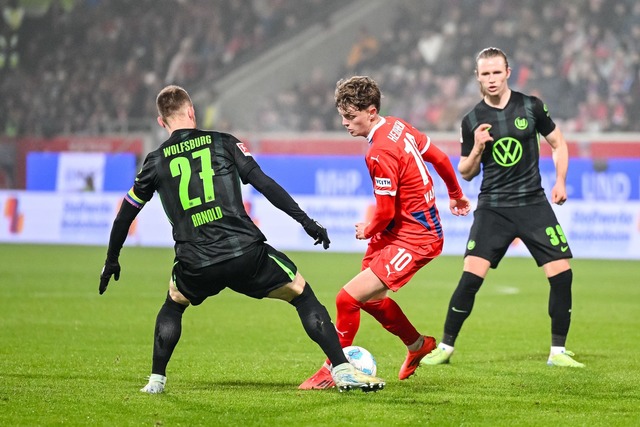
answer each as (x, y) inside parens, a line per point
(197, 175)
(510, 164)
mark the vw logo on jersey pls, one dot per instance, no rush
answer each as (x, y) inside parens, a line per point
(521, 123)
(507, 151)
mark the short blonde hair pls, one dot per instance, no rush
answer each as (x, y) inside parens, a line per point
(170, 100)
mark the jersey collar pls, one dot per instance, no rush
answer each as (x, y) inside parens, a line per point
(375, 128)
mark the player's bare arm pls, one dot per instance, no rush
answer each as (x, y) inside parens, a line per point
(469, 166)
(560, 154)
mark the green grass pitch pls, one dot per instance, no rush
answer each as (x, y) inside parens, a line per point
(69, 356)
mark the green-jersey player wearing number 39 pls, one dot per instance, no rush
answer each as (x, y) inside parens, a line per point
(197, 174)
(501, 135)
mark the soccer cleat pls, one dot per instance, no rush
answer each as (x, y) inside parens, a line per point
(438, 356)
(347, 377)
(564, 360)
(321, 380)
(413, 359)
(155, 385)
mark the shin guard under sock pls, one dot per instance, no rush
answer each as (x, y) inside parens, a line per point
(560, 306)
(167, 334)
(392, 318)
(461, 305)
(318, 326)
(348, 317)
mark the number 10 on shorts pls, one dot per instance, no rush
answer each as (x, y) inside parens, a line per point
(399, 261)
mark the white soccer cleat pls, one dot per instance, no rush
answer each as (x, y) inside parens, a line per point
(347, 377)
(155, 385)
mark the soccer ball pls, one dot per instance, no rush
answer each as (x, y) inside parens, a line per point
(361, 359)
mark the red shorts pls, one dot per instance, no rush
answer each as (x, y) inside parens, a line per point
(395, 263)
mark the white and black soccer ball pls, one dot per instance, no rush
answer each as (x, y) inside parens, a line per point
(361, 359)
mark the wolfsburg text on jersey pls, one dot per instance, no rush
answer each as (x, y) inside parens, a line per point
(188, 145)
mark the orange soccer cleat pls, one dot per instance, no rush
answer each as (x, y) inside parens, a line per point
(413, 359)
(321, 380)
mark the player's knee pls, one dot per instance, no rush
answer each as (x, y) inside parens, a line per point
(289, 291)
(176, 296)
(561, 283)
(298, 284)
(470, 283)
(175, 305)
(560, 294)
(476, 265)
(345, 302)
(556, 268)
(305, 295)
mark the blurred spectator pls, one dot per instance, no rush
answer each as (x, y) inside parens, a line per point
(95, 66)
(89, 66)
(579, 56)
(364, 48)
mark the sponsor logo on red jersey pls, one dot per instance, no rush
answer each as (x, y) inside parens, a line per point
(383, 182)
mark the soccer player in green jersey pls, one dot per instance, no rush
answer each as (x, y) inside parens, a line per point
(500, 136)
(197, 175)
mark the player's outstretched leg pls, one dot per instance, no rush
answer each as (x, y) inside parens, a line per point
(347, 378)
(392, 318)
(166, 336)
(318, 325)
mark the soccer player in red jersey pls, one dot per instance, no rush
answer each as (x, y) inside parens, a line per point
(197, 174)
(405, 231)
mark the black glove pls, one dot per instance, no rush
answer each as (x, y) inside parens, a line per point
(110, 268)
(317, 232)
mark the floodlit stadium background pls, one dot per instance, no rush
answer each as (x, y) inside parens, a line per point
(78, 81)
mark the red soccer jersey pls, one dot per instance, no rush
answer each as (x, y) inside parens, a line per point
(405, 197)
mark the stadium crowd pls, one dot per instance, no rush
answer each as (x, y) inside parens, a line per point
(93, 66)
(580, 57)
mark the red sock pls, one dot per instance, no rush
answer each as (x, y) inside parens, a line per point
(348, 317)
(392, 318)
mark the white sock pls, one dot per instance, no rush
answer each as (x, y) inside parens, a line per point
(556, 350)
(158, 378)
(447, 348)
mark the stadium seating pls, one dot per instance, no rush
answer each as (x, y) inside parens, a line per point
(91, 67)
